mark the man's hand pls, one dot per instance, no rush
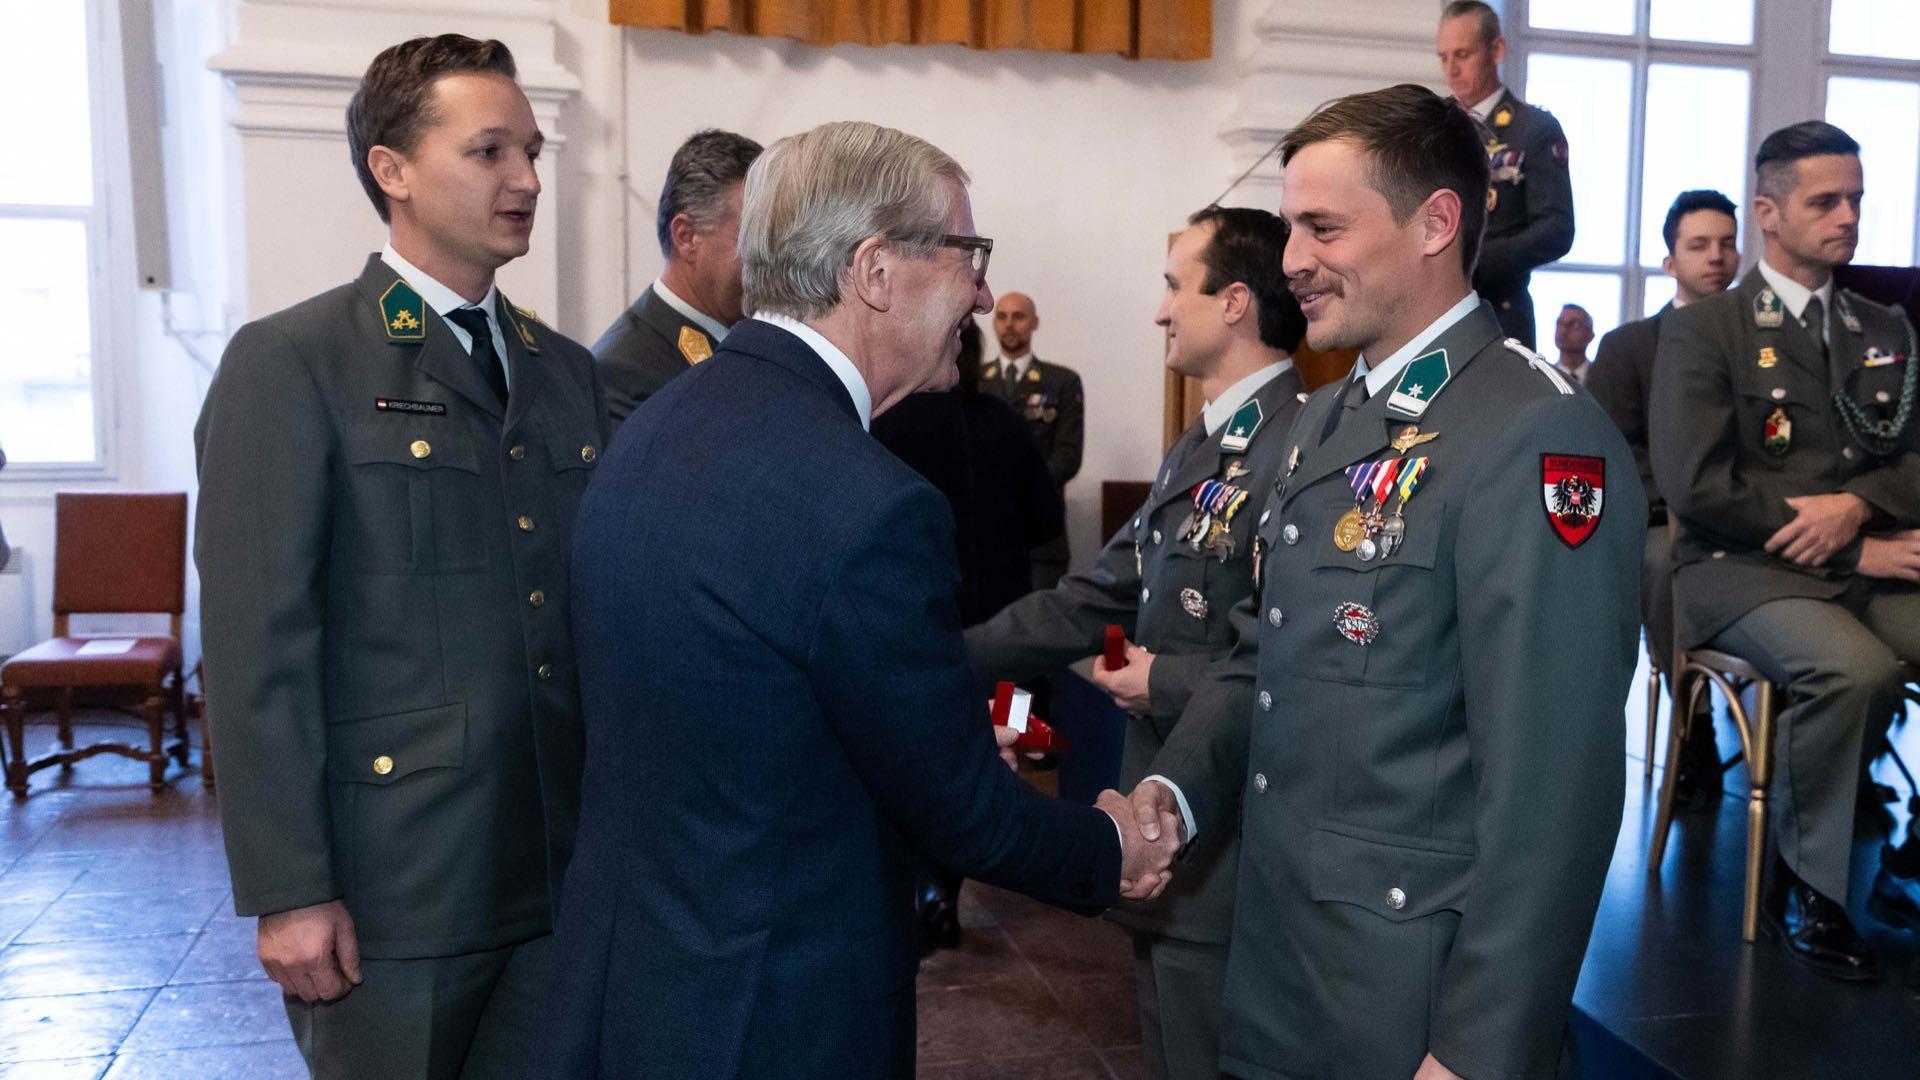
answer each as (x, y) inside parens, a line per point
(1895, 555)
(1822, 525)
(311, 951)
(1433, 1070)
(1144, 860)
(1128, 686)
(1006, 737)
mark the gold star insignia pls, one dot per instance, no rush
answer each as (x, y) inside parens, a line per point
(405, 321)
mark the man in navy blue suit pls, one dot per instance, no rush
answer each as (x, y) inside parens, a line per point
(780, 725)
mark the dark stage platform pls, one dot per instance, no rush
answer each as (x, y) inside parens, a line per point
(1670, 991)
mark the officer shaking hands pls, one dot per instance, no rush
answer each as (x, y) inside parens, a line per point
(1427, 782)
(1530, 205)
(388, 478)
(1169, 577)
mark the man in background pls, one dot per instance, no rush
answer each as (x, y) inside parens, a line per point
(1530, 208)
(682, 317)
(1169, 577)
(1050, 398)
(1572, 333)
(1703, 255)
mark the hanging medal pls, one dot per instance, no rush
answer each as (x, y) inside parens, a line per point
(1375, 520)
(1350, 529)
(1395, 530)
(1779, 436)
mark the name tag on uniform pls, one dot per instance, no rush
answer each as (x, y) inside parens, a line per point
(417, 408)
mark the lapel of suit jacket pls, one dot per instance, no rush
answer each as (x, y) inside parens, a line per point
(658, 315)
(1370, 429)
(529, 374)
(1208, 460)
(437, 353)
(1845, 348)
(765, 341)
(1789, 339)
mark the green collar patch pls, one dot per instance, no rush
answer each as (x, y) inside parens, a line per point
(403, 313)
(1419, 384)
(1768, 311)
(1238, 434)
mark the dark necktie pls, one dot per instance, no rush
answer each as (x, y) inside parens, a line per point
(1815, 320)
(1013, 381)
(474, 322)
(1351, 398)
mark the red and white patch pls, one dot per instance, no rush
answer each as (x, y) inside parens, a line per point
(1573, 489)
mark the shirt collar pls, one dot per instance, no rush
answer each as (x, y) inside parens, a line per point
(1795, 295)
(438, 297)
(836, 361)
(1388, 370)
(692, 314)
(1221, 409)
(1485, 108)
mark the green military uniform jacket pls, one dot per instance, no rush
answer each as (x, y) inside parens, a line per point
(384, 596)
(1734, 367)
(1172, 596)
(644, 349)
(1430, 777)
(1530, 222)
(1051, 399)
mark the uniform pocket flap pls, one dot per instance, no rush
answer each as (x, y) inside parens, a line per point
(416, 447)
(1392, 880)
(382, 749)
(1419, 544)
(573, 449)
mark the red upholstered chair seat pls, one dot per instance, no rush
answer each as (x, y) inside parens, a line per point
(57, 662)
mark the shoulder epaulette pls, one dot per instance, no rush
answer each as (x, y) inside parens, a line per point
(1539, 363)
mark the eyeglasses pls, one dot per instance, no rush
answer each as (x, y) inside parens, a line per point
(978, 248)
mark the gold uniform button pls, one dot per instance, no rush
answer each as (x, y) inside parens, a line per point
(420, 448)
(525, 523)
(545, 671)
(516, 452)
(382, 765)
(588, 453)
(536, 598)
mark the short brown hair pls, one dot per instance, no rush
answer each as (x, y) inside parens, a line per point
(1419, 143)
(394, 102)
(1483, 14)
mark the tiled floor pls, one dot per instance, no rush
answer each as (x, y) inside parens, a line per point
(120, 955)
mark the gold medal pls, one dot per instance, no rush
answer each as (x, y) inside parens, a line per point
(1349, 530)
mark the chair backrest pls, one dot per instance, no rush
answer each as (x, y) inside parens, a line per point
(118, 553)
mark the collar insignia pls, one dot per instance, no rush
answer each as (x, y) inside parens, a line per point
(403, 313)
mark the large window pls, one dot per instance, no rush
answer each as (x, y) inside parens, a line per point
(1661, 96)
(53, 233)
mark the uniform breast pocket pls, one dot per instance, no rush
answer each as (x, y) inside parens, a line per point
(573, 455)
(416, 501)
(1370, 621)
(1782, 414)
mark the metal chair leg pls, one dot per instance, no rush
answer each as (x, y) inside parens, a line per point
(1653, 719)
(1760, 777)
(1670, 777)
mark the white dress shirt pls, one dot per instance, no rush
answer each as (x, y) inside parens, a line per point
(442, 300)
(1484, 110)
(692, 314)
(1795, 296)
(836, 360)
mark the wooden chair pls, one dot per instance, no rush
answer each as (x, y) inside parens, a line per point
(1656, 681)
(113, 553)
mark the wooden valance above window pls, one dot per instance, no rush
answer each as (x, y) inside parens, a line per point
(1136, 29)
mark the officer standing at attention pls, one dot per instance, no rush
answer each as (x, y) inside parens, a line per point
(388, 478)
(681, 318)
(1530, 206)
(1703, 255)
(1572, 333)
(1049, 396)
(1428, 781)
(1783, 437)
(1170, 577)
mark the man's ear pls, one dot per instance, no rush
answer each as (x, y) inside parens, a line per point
(1238, 301)
(870, 278)
(1666, 265)
(683, 234)
(1767, 213)
(1439, 221)
(1499, 50)
(390, 172)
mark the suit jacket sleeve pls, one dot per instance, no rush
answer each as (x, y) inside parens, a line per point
(888, 666)
(1051, 628)
(1069, 432)
(1695, 438)
(261, 537)
(1618, 382)
(1206, 752)
(1548, 234)
(1552, 633)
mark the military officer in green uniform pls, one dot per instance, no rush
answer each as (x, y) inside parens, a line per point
(388, 477)
(1783, 436)
(1428, 782)
(680, 319)
(1530, 206)
(1051, 399)
(1169, 578)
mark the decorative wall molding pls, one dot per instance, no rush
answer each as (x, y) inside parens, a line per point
(1307, 52)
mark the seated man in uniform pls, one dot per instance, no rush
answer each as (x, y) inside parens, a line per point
(1169, 577)
(681, 318)
(1572, 333)
(1782, 437)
